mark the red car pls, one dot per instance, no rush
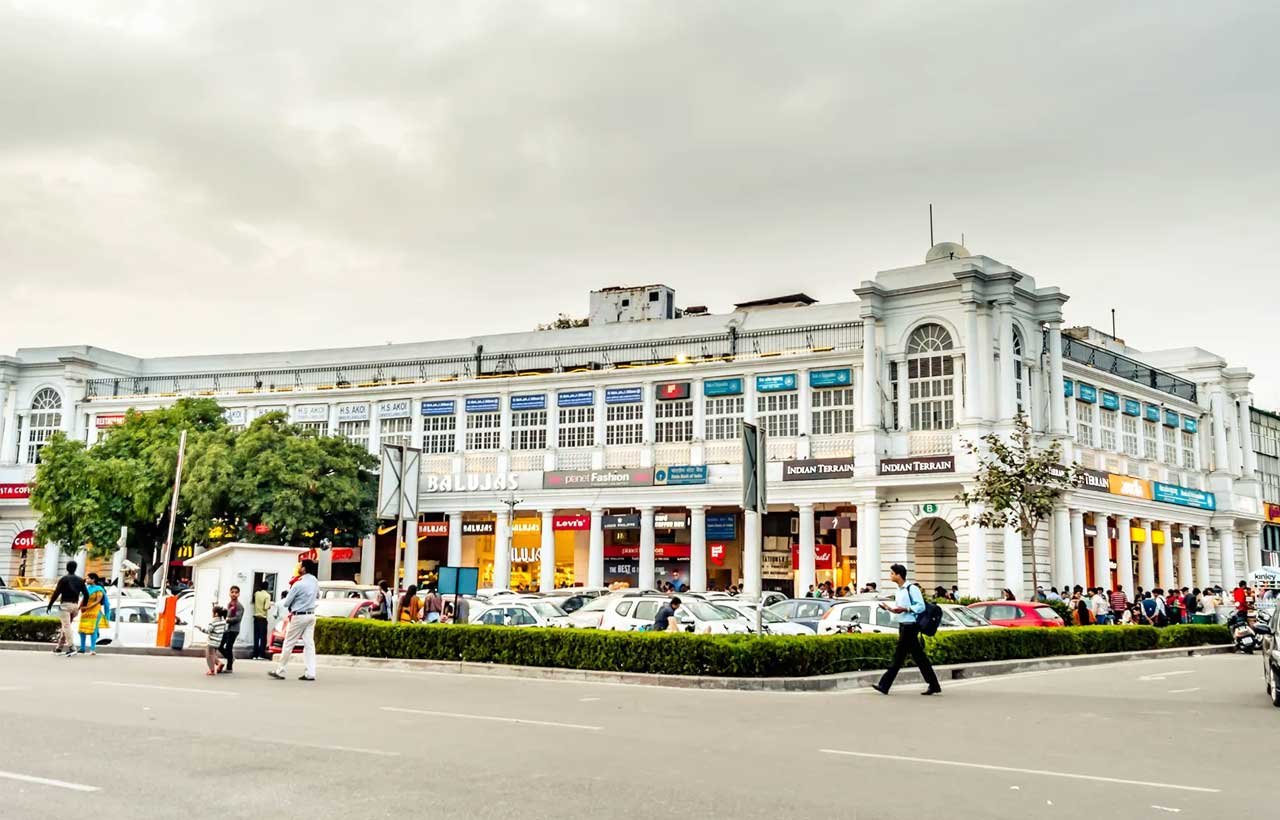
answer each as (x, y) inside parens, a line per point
(1017, 613)
(326, 608)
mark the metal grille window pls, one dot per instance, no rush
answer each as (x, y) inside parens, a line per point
(1129, 435)
(778, 414)
(396, 431)
(318, 428)
(723, 415)
(624, 424)
(1107, 429)
(529, 430)
(674, 421)
(43, 421)
(484, 431)
(1171, 446)
(1188, 450)
(356, 432)
(577, 427)
(439, 434)
(833, 411)
(1149, 449)
(1084, 424)
(931, 379)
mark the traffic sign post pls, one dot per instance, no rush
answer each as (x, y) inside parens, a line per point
(755, 500)
(398, 499)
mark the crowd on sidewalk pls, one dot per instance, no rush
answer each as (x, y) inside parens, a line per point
(1154, 607)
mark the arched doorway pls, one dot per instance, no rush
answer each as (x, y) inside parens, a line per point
(934, 552)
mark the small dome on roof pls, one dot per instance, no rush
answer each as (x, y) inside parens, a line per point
(946, 250)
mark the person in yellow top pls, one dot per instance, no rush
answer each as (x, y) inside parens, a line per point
(95, 612)
(261, 609)
(410, 606)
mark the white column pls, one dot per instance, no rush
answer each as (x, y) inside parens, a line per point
(1167, 579)
(977, 561)
(1101, 551)
(1233, 441)
(986, 363)
(455, 539)
(870, 375)
(972, 367)
(547, 554)
(1013, 578)
(553, 430)
(368, 552)
(1202, 556)
(1008, 399)
(957, 367)
(501, 550)
(601, 412)
(697, 548)
(699, 411)
(504, 430)
(1062, 568)
(1221, 458)
(1253, 551)
(375, 443)
(646, 579)
(410, 552)
(1078, 574)
(117, 566)
(1249, 463)
(9, 435)
(324, 562)
(1185, 578)
(1124, 554)
(1227, 547)
(1146, 559)
(805, 402)
(648, 420)
(53, 561)
(869, 547)
(595, 550)
(751, 555)
(82, 562)
(806, 573)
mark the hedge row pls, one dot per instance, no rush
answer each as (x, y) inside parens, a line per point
(729, 655)
(28, 628)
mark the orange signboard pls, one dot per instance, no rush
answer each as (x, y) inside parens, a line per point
(1129, 486)
(1272, 512)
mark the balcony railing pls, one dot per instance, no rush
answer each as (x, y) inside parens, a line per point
(1124, 367)
(930, 442)
(831, 446)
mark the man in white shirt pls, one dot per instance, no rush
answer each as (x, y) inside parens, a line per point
(301, 606)
(1101, 607)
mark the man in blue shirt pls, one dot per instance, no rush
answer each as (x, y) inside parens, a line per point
(908, 603)
(301, 605)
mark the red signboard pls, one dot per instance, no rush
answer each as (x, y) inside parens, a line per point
(1273, 512)
(824, 556)
(717, 554)
(571, 522)
(673, 390)
(108, 420)
(660, 551)
(25, 540)
(340, 555)
(432, 528)
(15, 492)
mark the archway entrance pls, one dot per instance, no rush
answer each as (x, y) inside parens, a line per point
(935, 554)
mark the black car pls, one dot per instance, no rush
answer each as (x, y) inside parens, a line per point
(1267, 627)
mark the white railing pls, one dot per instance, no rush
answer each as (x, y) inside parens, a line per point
(723, 452)
(528, 460)
(480, 463)
(438, 463)
(622, 456)
(671, 453)
(782, 449)
(573, 458)
(831, 446)
(929, 442)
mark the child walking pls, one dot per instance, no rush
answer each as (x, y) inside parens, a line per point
(217, 627)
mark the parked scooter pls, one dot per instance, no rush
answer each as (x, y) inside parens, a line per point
(1246, 639)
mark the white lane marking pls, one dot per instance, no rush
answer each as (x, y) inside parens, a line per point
(44, 781)
(493, 718)
(1041, 772)
(330, 748)
(14, 688)
(1163, 675)
(165, 688)
(1165, 808)
(588, 700)
(1184, 691)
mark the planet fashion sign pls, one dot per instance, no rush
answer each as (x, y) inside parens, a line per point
(470, 482)
(816, 469)
(917, 465)
(596, 479)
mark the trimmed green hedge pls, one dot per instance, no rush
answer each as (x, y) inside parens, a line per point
(1193, 635)
(726, 655)
(28, 628)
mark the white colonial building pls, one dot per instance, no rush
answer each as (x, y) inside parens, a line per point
(610, 452)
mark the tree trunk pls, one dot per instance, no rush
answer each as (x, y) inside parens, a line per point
(1030, 540)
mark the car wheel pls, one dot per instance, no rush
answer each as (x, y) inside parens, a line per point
(1273, 690)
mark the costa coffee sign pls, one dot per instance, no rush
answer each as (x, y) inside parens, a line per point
(339, 555)
(25, 540)
(917, 465)
(15, 492)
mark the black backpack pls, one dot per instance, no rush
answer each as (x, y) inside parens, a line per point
(931, 618)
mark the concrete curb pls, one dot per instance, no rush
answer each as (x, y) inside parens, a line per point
(155, 651)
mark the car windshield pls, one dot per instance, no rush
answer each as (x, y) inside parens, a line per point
(705, 612)
(1047, 612)
(598, 604)
(547, 609)
(966, 616)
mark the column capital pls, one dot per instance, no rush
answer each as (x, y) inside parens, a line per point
(806, 506)
(696, 508)
(544, 512)
(646, 508)
(1120, 517)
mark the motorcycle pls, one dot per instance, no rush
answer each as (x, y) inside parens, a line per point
(1246, 639)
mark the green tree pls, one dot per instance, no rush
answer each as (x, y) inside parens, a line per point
(1017, 483)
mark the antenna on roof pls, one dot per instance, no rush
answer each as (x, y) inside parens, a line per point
(962, 237)
(931, 243)
(1113, 324)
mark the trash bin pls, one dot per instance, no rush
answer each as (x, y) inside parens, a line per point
(179, 640)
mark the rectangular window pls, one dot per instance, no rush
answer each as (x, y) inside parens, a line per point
(1149, 449)
(319, 428)
(673, 421)
(833, 411)
(778, 414)
(930, 388)
(723, 415)
(396, 431)
(484, 431)
(1107, 428)
(1189, 450)
(1130, 435)
(1084, 424)
(624, 424)
(529, 430)
(439, 434)
(356, 432)
(577, 426)
(1171, 446)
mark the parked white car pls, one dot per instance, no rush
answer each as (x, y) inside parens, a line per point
(872, 619)
(523, 613)
(133, 622)
(772, 624)
(631, 613)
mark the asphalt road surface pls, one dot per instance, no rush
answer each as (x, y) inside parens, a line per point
(112, 737)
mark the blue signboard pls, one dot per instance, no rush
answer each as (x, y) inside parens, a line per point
(534, 402)
(681, 474)
(1152, 413)
(1132, 407)
(1170, 418)
(776, 383)
(1189, 424)
(842, 377)
(721, 526)
(444, 407)
(458, 580)
(1067, 384)
(1183, 496)
(622, 395)
(1088, 393)
(1110, 401)
(722, 387)
(488, 404)
(576, 398)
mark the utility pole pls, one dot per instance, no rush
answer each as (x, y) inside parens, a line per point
(173, 515)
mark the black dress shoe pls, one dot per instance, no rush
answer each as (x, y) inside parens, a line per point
(932, 691)
(879, 689)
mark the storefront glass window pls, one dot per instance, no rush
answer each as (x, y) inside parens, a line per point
(723, 415)
(356, 432)
(577, 427)
(674, 421)
(439, 434)
(529, 430)
(484, 431)
(833, 411)
(624, 424)
(778, 413)
(44, 420)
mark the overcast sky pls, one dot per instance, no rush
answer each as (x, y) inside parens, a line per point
(187, 177)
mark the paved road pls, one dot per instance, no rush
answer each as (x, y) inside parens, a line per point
(1137, 740)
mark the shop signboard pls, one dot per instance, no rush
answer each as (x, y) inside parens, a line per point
(1129, 486)
(670, 521)
(836, 522)
(722, 387)
(1110, 401)
(1132, 407)
(776, 383)
(478, 527)
(25, 540)
(1183, 496)
(622, 395)
(483, 404)
(259, 412)
(527, 524)
(15, 491)
(1271, 511)
(397, 408)
(840, 377)
(525, 555)
(817, 469)
(108, 420)
(575, 398)
(1190, 424)
(353, 412)
(338, 555)
(775, 566)
(680, 474)
(597, 479)
(1095, 480)
(310, 412)
(917, 465)
(236, 416)
(623, 521)
(431, 529)
(435, 407)
(1151, 412)
(721, 526)
(669, 391)
(470, 482)
(823, 556)
(536, 401)
(716, 553)
(1170, 418)
(666, 552)
(1067, 386)
(572, 522)
(1087, 393)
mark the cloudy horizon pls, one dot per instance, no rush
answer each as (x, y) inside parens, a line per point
(198, 178)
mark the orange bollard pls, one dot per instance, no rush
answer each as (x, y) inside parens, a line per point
(165, 623)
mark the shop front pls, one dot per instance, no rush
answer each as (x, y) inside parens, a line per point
(1271, 535)
(671, 550)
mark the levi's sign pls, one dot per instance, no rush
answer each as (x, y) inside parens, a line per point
(813, 469)
(569, 479)
(917, 465)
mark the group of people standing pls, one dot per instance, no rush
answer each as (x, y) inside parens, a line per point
(1154, 607)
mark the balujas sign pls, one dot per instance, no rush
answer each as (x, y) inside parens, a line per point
(470, 482)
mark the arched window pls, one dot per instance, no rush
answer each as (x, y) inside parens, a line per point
(43, 421)
(1019, 391)
(931, 378)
